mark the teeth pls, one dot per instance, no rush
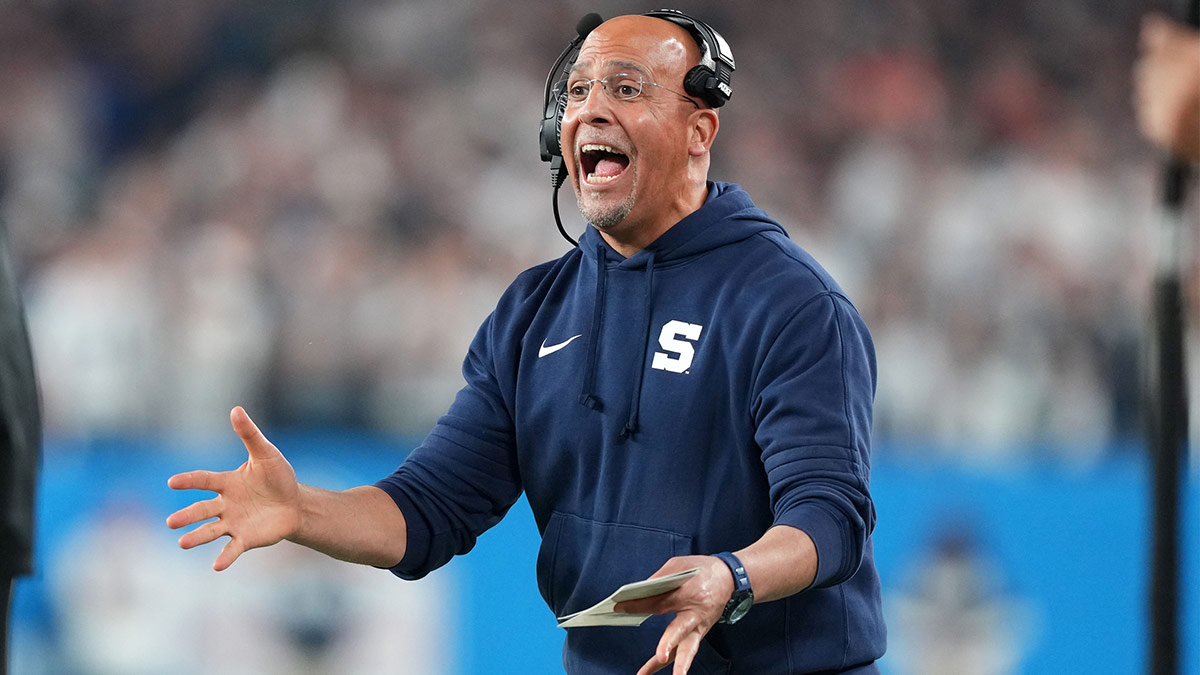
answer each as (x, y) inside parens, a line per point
(597, 147)
(592, 178)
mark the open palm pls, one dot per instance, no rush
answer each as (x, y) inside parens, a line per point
(256, 505)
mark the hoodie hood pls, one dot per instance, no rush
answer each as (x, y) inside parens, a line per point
(727, 216)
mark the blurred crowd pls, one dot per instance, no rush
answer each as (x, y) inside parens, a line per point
(308, 207)
(139, 607)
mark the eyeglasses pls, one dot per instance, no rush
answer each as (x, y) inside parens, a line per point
(618, 86)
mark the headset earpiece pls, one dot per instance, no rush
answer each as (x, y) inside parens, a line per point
(552, 123)
(551, 137)
(709, 81)
(698, 83)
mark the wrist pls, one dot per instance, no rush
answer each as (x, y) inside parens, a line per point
(305, 510)
(742, 597)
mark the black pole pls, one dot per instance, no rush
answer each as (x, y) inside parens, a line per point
(1169, 415)
(1168, 438)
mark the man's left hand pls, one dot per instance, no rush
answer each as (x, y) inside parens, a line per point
(697, 604)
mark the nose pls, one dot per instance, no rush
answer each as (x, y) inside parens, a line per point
(596, 108)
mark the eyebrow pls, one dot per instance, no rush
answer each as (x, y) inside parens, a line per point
(615, 64)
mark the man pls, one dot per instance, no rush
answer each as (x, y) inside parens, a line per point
(20, 443)
(687, 382)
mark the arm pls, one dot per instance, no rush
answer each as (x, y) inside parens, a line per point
(359, 525)
(458, 483)
(261, 503)
(465, 476)
(781, 563)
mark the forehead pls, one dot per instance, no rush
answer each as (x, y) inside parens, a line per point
(642, 43)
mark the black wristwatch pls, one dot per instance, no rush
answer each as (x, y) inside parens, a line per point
(743, 596)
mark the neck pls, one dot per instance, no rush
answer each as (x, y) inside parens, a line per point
(629, 237)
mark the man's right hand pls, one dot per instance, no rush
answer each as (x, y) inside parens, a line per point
(257, 505)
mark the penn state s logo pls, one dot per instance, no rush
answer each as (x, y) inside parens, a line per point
(677, 340)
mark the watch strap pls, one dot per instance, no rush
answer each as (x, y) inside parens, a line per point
(741, 587)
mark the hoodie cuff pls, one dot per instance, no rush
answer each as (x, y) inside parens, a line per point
(827, 536)
(416, 548)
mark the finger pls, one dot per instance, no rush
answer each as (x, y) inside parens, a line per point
(652, 666)
(685, 652)
(209, 508)
(665, 652)
(229, 553)
(203, 534)
(196, 480)
(256, 443)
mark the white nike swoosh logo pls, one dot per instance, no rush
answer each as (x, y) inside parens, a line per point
(544, 350)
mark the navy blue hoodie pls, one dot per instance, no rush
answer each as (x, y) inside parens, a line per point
(680, 401)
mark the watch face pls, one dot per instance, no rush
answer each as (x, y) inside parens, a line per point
(740, 610)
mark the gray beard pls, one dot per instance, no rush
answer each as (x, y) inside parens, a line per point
(606, 217)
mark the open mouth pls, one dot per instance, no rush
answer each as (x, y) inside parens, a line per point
(601, 163)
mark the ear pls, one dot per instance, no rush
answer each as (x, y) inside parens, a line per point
(703, 129)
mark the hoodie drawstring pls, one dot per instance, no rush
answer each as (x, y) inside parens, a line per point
(588, 396)
(631, 426)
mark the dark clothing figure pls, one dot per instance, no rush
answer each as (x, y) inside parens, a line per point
(20, 442)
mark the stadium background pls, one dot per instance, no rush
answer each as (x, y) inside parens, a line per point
(307, 208)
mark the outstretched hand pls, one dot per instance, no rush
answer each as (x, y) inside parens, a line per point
(257, 504)
(1166, 86)
(697, 604)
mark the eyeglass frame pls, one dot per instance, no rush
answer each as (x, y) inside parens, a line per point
(632, 77)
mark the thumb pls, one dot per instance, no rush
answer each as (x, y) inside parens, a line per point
(1153, 26)
(1157, 31)
(256, 444)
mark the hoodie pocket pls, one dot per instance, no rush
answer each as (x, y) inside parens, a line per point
(582, 561)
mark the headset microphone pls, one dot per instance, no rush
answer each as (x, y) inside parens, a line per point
(554, 103)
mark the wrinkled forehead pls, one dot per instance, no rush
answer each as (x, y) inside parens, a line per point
(643, 44)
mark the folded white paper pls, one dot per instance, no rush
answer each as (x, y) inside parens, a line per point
(602, 614)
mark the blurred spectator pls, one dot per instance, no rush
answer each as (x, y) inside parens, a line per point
(954, 617)
(120, 613)
(135, 607)
(308, 208)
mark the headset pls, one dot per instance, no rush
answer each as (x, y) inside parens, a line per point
(709, 81)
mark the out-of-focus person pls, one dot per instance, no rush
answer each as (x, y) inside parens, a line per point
(1166, 81)
(20, 441)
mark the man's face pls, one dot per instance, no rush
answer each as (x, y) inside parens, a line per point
(628, 159)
